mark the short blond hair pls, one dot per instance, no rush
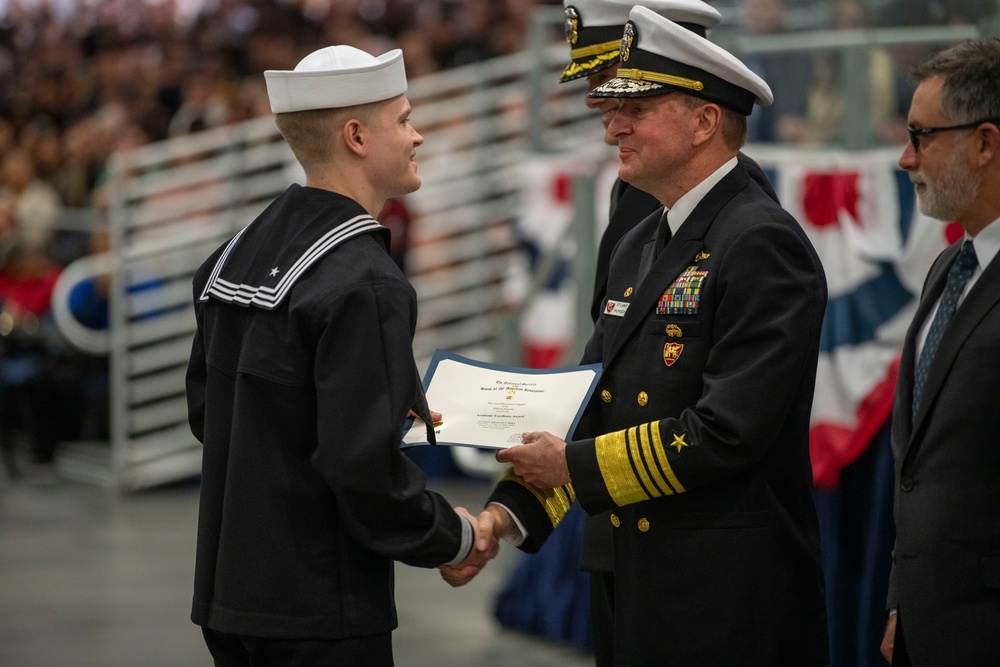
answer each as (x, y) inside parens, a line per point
(312, 134)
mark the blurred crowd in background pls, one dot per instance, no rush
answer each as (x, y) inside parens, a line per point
(82, 79)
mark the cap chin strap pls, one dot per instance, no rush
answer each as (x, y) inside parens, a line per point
(647, 75)
(594, 49)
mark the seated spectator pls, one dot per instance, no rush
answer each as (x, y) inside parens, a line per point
(788, 73)
(202, 107)
(34, 203)
(823, 122)
(26, 345)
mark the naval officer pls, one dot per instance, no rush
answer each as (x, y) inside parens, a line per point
(709, 339)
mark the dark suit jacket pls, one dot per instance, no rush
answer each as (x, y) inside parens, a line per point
(946, 565)
(703, 456)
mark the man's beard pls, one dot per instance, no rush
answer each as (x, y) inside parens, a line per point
(950, 194)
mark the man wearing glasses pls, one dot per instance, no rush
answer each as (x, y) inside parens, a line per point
(944, 591)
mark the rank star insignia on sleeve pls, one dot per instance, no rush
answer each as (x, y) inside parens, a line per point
(679, 442)
(275, 271)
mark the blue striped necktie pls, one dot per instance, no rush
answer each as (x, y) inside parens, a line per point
(958, 275)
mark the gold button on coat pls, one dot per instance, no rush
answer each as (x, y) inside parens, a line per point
(643, 398)
(643, 524)
(628, 292)
(615, 521)
(606, 396)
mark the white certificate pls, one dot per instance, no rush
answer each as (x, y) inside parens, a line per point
(484, 405)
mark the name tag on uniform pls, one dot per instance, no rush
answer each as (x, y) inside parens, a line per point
(615, 308)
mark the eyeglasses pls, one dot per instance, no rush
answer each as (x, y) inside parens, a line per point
(916, 133)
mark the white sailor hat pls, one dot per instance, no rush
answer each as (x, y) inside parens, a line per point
(334, 77)
(594, 28)
(658, 56)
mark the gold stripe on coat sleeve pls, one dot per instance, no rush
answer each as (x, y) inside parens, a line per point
(619, 478)
(555, 502)
(638, 464)
(647, 455)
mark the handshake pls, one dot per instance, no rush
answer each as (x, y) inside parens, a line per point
(540, 460)
(492, 524)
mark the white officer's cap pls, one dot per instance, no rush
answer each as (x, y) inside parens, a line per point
(593, 28)
(658, 56)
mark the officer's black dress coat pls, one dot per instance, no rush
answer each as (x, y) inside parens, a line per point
(300, 379)
(629, 207)
(946, 563)
(703, 407)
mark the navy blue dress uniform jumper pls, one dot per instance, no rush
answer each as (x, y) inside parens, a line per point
(697, 440)
(300, 380)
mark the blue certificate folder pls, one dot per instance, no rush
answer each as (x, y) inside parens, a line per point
(486, 405)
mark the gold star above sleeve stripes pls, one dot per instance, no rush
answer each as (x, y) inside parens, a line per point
(634, 464)
(556, 502)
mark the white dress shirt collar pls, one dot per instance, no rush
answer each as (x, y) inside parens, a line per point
(683, 207)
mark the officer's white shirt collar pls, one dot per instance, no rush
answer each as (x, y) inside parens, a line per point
(987, 244)
(683, 207)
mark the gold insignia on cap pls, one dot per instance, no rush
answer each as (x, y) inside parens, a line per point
(572, 25)
(644, 524)
(643, 398)
(674, 331)
(615, 521)
(575, 68)
(679, 442)
(701, 255)
(606, 396)
(628, 292)
(625, 50)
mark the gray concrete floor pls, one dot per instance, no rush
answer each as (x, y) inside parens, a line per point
(92, 579)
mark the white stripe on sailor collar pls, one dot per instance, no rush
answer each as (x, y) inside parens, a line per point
(270, 297)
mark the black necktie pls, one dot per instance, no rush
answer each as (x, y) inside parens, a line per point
(663, 233)
(959, 273)
(651, 250)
